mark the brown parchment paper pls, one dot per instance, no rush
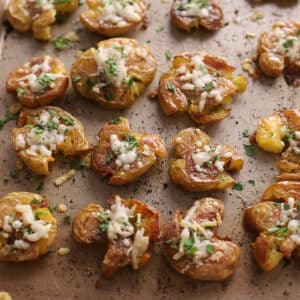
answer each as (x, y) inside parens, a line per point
(74, 276)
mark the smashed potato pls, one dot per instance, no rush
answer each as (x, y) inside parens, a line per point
(38, 82)
(113, 18)
(279, 51)
(280, 133)
(276, 219)
(200, 166)
(128, 228)
(37, 16)
(45, 131)
(202, 85)
(190, 14)
(115, 73)
(192, 246)
(124, 156)
(27, 227)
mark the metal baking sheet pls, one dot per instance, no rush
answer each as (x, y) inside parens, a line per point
(75, 276)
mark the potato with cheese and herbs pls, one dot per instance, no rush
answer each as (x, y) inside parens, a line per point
(280, 133)
(192, 14)
(192, 246)
(277, 221)
(200, 84)
(37, 15)
(113, 17)
(43, 132)
(27, 227)
(278, 51)
(115, 73)
(127, 229)
(202, 166)
(123, 156)
(39, 82)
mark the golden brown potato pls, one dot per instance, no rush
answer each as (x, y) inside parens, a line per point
(45, 131)
(202, 85)
(276, 219)
(38, 82)
(280, 133)
(200, 166)
(113, 18)
(192, 247)
(27, 227)
(124, 156)
(37, 16)
(128, 228)
(115, 73)
(190, 14)
(278, 51)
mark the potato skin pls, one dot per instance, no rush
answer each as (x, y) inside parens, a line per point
(40, 25)
(75, 143)
(7, 205)
(177, 100)
(212, 23)
(85, 230)
(182, 169)
(117, 175)
(140, 70)
(209, 269)
(90, 19)
(31, 99)
(272, 61)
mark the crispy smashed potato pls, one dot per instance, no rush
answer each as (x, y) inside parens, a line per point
(115, 73)
(202, 85)
(37, 16)
(279, 51)
(128, 228)
(276, 219)
(280, 133)
(200, 166)
(124, 156)
(27, 227)
(190, 14)
(192, 246)
(113, 18)
(45, 131)
(38, 82)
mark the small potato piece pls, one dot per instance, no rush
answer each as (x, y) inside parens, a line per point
(190, 14)
(39, 82)
(27, 227)
(124, 156)
(200, 166)
(278, 51)
(128, 228)
(192, 247)
(37, 16)
(45, 131)
(113, 18)
(276, 219)
(200, 84)
(115, 73)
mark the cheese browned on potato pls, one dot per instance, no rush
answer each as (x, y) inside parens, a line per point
(45, 131)
(200, 84)
(27, 227)
(128, 228)
(38, 82)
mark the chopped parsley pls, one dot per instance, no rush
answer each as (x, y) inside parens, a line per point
(40, 187)
(77, 164)
(67, 219)
(61, 43)
(238, 186)
(289, 43)
(104, 219)
(168, 55)
(252, 182)
(111, 68)
(132, 142)
(61, 1)
(188, 247)
(171, 87)
(208, 87)
(171, 244)
(207, 164)
(209, 249)
(116, 120)
(40, 214)
(249, 150)
(91, 82)
(160, 29)
(52, 250)
(35, 201)
(109, 157)
(279, 231)
(8, 117)
(20, 91)
(77, 78)
(130, 82)
(45, 80)
(245, 133)
(52, 209)
(69, 121)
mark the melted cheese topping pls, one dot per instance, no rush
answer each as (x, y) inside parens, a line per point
(200, 81)
(45, 137)
(120, 12)
(39, 229)
(139, 247)
(193, 8)
(39, 77)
